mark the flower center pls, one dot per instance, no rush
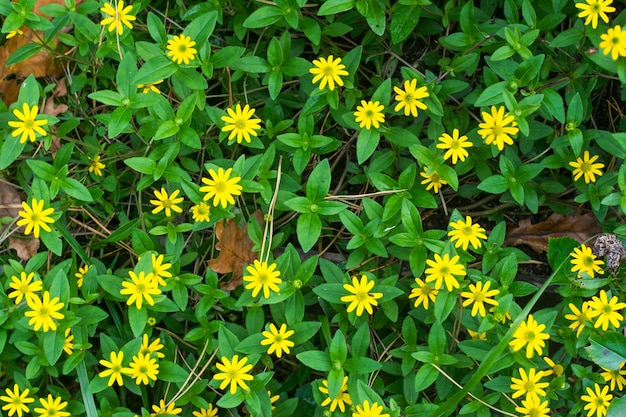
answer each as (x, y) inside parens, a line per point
(588, 261)
(479, 297)
(362, 296)
(240, 123)
(607, 309)
(329, 71)
(467, 230)
(220, 186)
(263, 278)
(182, 48)
(435, 178)
(530, 336)
(141, 288)
(167, 204)
(585, 167)
(455, 144)
(444, 270)
(43, 312)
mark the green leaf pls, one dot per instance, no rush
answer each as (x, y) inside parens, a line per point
(308, 229)
(137, 319)
(318, 184)
(403, 20)
(171, 372)
(495, 184)
(426, 375)
(141, 164)
(155, 69)
(120, 118)
(607, 350)
(361, 365)
(366, 144)
(315, 359)
(529, 69)
(108, 97)
(338, 347)
(23, 53)
(263, 17)
(330, 292)
(491, 95)
(617, 408)
(166, 129)
(331, 7)
(227, 56)
(252, 64)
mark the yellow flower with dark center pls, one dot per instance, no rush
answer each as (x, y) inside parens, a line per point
(240, 123)
(497, 127)
(369, 113)
(162, 408)
(529, 385)
(478, 295)
(118, 17)
(68, 345)
(278, 340)
(115, 368)
(166, 202)
(96, 166)
(206, 412)
(328, 71)
(28, 125)
(140, 287)
(615, 376)
(16, 401)
(43, 311)
(580, 317)
(340, 400)
(444, 270)
(455, 146)
(585, 166)
(80, 275)
(533, 407)
(366, 410)
(598, 400)
(181, 49)
(530, 334)
(25, 287)
(221, 187)
(150, 87)
(233, 372)
(594, 9)
(52, 407)
(606, 311)
(433, 180)
(160, 269)
(614, 42)
(466, 232)
(423, 293)
(585, 261)
(143, 368)
(409, 99)
(262, 277)
(360, 297)
(35, 217)
(148, 348)
(200, 212)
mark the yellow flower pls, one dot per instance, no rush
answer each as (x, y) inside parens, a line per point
(555, 368)
(455, 146)
(410, 98)
(240, 123)
(167, 203)
(141, 287)
(148, 348)
(529, 385)
(533, 407)
(497, 127)
(143, 368)
(585, 261)
(11, 34)
(530, 334)
(374, 410)
(16, 401)
(150, 87)
(423, 292)
(585, 166)
(615, 376)
(340, 400)
(477, 336)
(160, 270)
(169, 409)
(52, 407)
(206, 412)
(68, 344)
(606, 310)
(597, 400)
(479, 295)
(28, 124)
(221, 187)
(96, 166)
(369, 113)
(24, 288)
(118, 17)
(360, 297)
(35, 217)
(233, 372)
(444, 269)
(466, 232)
(201, 212)
(580, 317)
(277, 340)
(592, 9)
(80, 275)
(115, 369)
(181, 49)
(614, 42)
(328, 71)
(433, 180)
(262, 277)
(43, 310)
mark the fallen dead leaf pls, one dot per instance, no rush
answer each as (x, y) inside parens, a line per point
(235, 251)
(26, 248)
(10, 205)
(576, 226)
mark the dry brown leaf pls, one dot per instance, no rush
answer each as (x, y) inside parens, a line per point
(10, 205)
(26, 248)
(576, 226)
(235, 249)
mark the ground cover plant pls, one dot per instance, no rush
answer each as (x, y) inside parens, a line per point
(346, 208)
